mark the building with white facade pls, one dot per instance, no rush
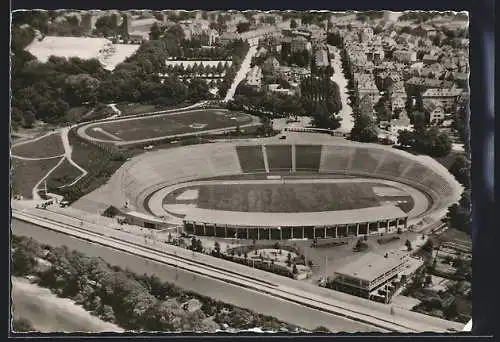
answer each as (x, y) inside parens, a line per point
(448, 98)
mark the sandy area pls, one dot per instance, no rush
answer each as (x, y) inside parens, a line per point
(49, 313)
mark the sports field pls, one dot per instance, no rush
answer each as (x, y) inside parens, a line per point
(299, 197)
(166, 125)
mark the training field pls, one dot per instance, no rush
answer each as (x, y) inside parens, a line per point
(167, 125)
(290, 198)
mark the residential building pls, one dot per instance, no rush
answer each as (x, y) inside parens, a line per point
(448, 98)
(270, 65)
(398, 102)
(436, 115)
(254, 77)
(405, 56)
(365, 85)
(228, 37)
(366, 35)
(375, 54)
(430, 59)
(298, 44)
(321, 58)
(275, 88)
(424, 83)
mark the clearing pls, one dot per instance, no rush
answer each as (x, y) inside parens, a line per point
(45, 147)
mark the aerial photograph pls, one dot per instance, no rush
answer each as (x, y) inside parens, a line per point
(240, 171)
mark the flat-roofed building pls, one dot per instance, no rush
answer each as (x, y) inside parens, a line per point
(254, 77)
(369, 273)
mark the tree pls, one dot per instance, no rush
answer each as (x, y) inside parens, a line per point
(293, 24)
(23, 262)
(408, 245)
(460, 168)
(217, 248)
(321, 329)
(243, 27)
(294, 269)
(364, 129)
(289, 259)
(155, 32)
(406, 138)
(451, 311)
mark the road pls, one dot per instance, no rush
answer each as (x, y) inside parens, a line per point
(229, 293)
(242, 73)
(338, 77)
(355, 308)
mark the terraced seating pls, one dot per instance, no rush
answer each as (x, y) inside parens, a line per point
(335, 158)
(279, 157)
(307, 157)
(224, 161)
(366, 160)
(438, 184)
(393, 165)
(416, 172)
(251, 158)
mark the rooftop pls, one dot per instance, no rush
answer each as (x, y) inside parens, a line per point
(323, 218)
(370, 266)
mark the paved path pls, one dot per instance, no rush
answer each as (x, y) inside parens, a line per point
(68, 150)
(115, 109)
(242, 73)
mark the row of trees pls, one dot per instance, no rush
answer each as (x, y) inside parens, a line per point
(134, 302)
(45, 91)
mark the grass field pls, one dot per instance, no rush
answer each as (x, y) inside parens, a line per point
(287, 197)
(50, 146)
(172, 124)
(26, 173)
(64, 174)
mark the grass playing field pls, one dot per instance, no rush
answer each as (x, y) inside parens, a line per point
(170, 124)
(300, 197)
(49, 146)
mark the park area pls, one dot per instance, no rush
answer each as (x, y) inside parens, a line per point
(27, 173)
(45, 147)
(288, 197)
(167, 125)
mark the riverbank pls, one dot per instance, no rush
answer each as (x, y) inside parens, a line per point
(49, 313)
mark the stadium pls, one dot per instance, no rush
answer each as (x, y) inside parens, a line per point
(279, 189)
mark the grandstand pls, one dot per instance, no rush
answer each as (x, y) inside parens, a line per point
(335, 158)
(279, 157)
(146, 174)
(307, 157)
(251, 158)
(366, 160)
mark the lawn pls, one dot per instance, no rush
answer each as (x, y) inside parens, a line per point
(173, 124)
(63, 175)
(50, 146)
(288, 197)
(26, 173)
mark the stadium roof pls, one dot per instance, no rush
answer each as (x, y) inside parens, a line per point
(369, 266)
(264, 220)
